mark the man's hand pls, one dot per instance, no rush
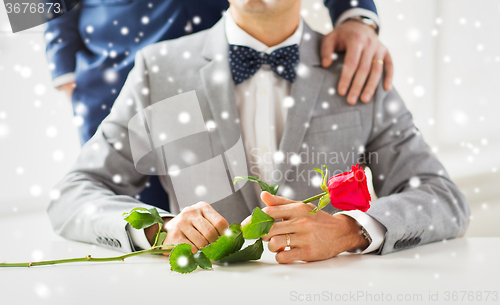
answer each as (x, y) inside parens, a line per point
(363, 54)
(68, 89)
(197, 225)
(313, 237)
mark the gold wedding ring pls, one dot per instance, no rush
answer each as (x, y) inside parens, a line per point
(378, 61)
(287, 240)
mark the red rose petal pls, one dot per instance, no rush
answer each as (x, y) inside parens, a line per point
(349, 191)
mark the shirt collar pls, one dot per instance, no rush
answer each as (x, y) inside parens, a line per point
(236, 36)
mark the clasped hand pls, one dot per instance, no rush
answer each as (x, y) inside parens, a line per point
(313, 237)
(197, 225)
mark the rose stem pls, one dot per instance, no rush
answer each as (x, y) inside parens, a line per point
(313, 198)
(153, 250)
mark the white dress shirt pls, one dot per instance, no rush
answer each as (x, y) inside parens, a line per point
(261, 102)
(262, 106)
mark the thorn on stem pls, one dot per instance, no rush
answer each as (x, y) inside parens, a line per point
(89, 257)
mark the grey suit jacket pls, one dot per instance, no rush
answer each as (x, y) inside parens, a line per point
(321, 128)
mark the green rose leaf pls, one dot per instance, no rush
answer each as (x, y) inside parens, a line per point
(252, 252)
(324, 178)
(226, 244)
(259, 225)
(141, 218)
(323, 202)
(161, 238)
(271, 188)
(182, 259)
(202, 260)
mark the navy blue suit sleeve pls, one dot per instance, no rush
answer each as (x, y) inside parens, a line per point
(337, 7)
(63, 41)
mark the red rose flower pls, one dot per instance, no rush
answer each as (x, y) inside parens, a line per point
(349, 191)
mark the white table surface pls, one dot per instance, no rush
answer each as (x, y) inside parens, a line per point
(465, 264)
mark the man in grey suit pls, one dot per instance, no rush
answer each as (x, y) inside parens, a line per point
(260, 86)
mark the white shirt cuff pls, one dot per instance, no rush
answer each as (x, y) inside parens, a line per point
(139, 239)
(63, 79)
(372, 226)
(354, 12)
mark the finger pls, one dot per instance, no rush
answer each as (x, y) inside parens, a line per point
(351, 62)
(280, 212)
(287, 257)
(185, 240)
(281, 228)
(195, 237)
(272, 200)
(277, 243)
(206, 229)
(327, 49)
(374, 79)
(361, 76)
(389, 71)
(246, 221)
(219, 223)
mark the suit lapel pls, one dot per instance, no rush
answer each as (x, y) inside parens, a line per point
(305, 91)
(221, 97)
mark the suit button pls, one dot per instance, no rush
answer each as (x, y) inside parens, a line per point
(418, 240)
(404, 243)
(117, 243)
(397, 244)
(99, 240)
(106, 241)
(411, 242)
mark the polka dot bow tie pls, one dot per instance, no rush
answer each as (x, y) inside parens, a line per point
(246, 61)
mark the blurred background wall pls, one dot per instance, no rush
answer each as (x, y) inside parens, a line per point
(447, 69)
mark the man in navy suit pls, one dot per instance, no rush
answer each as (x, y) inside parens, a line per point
(91, 50)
